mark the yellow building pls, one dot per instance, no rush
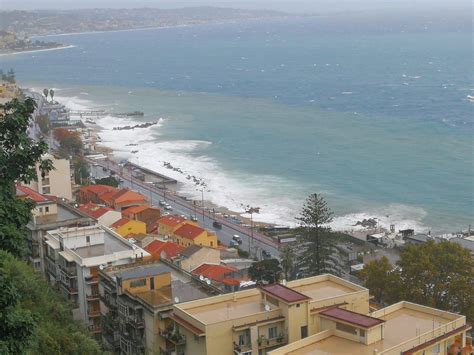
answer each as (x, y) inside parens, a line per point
(257, 320)
(317, 315)
(127, 227)
(138, 299)
(189, 234)
(56, 182)
(167, 225)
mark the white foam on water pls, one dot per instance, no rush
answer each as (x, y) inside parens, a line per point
(279, 199)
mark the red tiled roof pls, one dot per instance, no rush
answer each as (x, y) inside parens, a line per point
(284, 293)
(171, 221)
(231, 282)
(189, 231)
(93, 210)
(213, 272)
(98, 189)
(120, 223)
(32, 194)
(157, 247)
(358, 319)
(126, 195)
(135, 209)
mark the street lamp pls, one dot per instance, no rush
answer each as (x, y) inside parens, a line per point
(251, 210)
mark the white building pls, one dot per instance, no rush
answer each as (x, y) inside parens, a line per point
(73, 258)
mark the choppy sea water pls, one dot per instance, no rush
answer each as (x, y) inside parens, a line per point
(266, 113)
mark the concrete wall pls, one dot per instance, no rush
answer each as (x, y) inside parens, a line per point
(109, 218)
(59, 179)
(208, 255)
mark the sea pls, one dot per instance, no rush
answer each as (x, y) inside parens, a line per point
(372, 114)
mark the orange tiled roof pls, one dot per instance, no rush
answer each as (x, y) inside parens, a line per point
(121, 222)
(125, 195)
(171, 221)
(93, 210)
(98, 189)
(23, 191)
(213, 272)
(135, 209)
(189, 231)
(169, 248)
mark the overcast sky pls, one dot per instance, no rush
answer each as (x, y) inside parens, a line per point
(283, 5)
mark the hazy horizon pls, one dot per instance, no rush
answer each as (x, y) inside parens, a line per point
(280, 5)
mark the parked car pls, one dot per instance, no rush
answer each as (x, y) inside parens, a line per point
(168, 208)
(216, 224)
(237, 238)
(233, 244)
(193, 218)
(162, 203)
(266, 254)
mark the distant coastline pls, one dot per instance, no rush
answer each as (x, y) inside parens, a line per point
(37, 50)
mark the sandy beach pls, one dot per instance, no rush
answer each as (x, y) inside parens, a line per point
(38, 50)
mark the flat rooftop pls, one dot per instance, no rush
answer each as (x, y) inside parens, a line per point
(400, 325)
(228, 309)
(164, 296)
(323, 289)
(111, 245)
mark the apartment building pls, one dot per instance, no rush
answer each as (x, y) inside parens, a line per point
(137, 301)
(403, 328)
(317, 315)
(49, 213)
(56, 182)
(257, 320)
(73, 258)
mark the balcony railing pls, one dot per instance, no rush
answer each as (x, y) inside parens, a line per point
(174, 337)
(91, 280)
(93, 297)
(94, 329)
(93, 313)
(238, 349)
(267, 343)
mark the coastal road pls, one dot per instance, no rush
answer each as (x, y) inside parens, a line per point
(254, 244)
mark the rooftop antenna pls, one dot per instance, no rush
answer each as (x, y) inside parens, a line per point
(201, 277)
(208, 281)
(101, 266)
(283, 282)
(267, 307)
(176, 300)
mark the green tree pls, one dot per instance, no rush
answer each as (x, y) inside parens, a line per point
(109, 180)
(379, 278)
(18, 157)
(81, 171)
(268, 271)
(36, 319)
(287, 257)
(439, 275)
(319, 254)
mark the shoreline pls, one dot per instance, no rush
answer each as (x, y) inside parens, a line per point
(39, 50)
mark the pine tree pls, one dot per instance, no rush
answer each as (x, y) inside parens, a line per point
(318, 251)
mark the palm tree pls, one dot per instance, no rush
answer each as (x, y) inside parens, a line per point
(51, 93)
(45, 93)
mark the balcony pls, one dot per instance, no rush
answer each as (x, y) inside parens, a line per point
(93, 297)
(92, 313)
(269, 343)
(91, 280)
(239, 349)
(94, 329)
(173, 336)
(136, 322)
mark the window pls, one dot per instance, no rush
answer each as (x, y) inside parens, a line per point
(138, 283)
(241, 339)
(46, 209)
(346, 328)
(362, 332)
(272, 333)
(304, 331)
(40, 209)
(88, 239)
(46, 190)
(437, 349)
(297, 305)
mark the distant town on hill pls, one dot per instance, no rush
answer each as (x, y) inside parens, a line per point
(47, 22)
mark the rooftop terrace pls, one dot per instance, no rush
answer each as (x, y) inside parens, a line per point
(404, 322)
(216, 310)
